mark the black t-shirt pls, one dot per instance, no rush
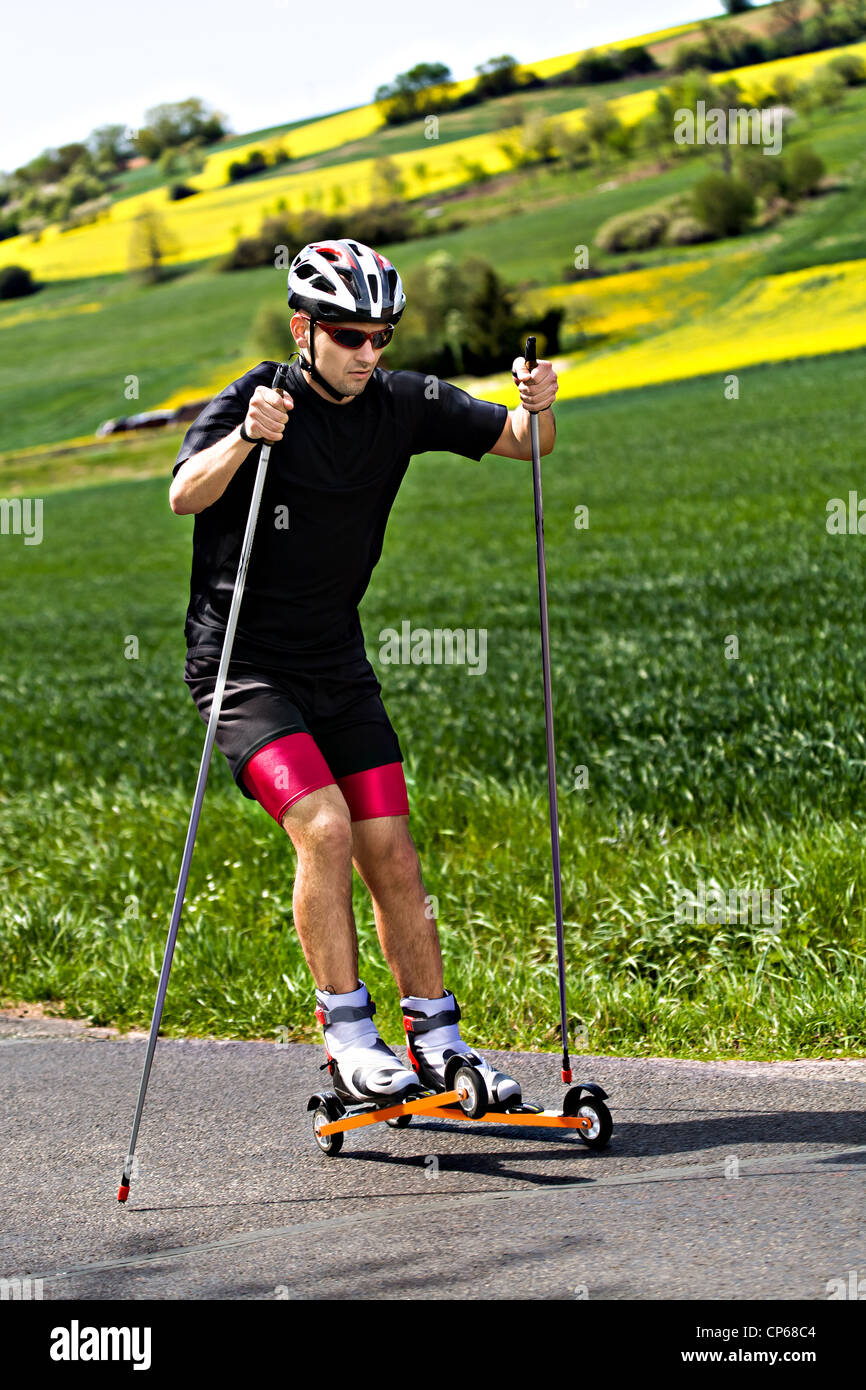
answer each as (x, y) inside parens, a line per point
(330, 485)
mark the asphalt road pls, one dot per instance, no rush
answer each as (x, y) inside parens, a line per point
(724, 1181)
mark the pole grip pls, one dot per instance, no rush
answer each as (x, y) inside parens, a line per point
(281, 377)
(529, 354)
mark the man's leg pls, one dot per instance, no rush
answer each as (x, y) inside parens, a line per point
(321, 831)
(385, 856)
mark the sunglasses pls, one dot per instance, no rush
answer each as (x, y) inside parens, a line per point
(355, 337)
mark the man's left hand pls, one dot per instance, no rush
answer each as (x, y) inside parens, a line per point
(538, 387)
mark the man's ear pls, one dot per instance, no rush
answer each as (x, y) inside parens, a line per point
(300, 330)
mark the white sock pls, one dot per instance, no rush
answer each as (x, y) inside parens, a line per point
(361, 1032)
(433, 1043)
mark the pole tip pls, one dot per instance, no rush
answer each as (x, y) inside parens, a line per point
(123, 1192)
(566, 1075)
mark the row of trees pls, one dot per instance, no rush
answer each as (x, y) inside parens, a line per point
(429, 89)
(74, 181)
(722, 47)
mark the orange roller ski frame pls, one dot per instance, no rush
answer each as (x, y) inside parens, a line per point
(583, 1111)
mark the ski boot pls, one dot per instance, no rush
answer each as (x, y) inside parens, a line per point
(434, 1044)
(363, 1068)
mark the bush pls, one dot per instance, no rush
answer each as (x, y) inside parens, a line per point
(637, 59)
(372, 225)
(254, 163)
(633, 231)
(15, 282)
(763, 173)
(593, 66)
(802, 171)
(850, 67)
(9, 226)
(826, 91)
(459, 318)
(687, 231)
(725, 204)
(177, 191)
(272, 335)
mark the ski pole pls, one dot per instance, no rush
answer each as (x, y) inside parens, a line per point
(278, 384)
(548, 716)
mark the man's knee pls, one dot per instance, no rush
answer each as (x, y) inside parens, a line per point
(387, 853)
(320, 827)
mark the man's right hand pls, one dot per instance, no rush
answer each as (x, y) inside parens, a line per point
(267, 414)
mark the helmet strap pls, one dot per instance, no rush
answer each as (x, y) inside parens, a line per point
(314, 371)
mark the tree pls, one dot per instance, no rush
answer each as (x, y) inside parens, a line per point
(737, 6)
(420, 91)
(110, 146)
(386, 183)
(150, 244)
(16, 281)
(724, 205)
(497, 76)
(604, 129)
(174, 123)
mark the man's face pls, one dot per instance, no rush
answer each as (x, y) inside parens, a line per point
(347, 369)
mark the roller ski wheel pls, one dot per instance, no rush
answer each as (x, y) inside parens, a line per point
(328, 1109)
(469, 1084)
(594, 1109)
(399, 1121)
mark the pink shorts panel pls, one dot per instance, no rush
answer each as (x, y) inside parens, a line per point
(379, 791)
(282, 772)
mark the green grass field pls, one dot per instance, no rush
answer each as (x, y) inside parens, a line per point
(707, 520)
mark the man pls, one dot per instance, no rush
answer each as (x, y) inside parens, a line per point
(302, 725)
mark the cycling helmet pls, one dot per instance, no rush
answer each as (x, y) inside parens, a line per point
(343, 280)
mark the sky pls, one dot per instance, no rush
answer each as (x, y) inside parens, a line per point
(69, 68)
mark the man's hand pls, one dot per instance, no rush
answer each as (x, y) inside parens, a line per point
(538, 387)
(267, 414)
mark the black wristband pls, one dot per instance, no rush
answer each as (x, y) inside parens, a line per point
(248, 439)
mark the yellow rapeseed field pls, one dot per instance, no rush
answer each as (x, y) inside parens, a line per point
(616, 304)
(803, 313)
(43, 315)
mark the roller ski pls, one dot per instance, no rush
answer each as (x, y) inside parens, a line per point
(449, 1081)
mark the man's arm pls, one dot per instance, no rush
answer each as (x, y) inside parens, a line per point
(538, 390)
(204, 477)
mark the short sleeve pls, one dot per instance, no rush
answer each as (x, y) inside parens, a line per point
(224, 413)
(451, 420)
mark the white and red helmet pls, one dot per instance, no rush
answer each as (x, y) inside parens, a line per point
(334, 281)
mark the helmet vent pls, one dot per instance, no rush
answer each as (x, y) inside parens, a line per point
(304, 272)
(374, 288)
(320, 283)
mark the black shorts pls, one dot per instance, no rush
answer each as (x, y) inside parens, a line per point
(341, 709)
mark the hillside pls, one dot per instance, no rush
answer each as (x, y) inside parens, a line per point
(183, 338)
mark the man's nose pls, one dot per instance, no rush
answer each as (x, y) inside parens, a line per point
(367, 352)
